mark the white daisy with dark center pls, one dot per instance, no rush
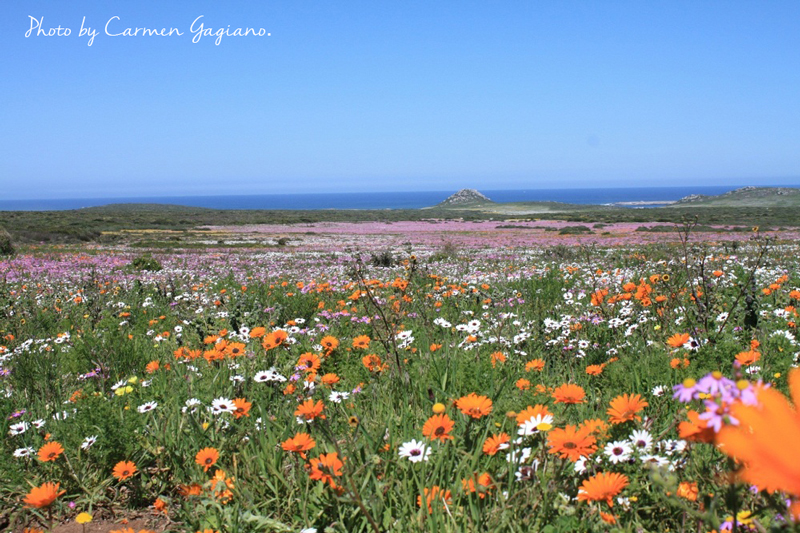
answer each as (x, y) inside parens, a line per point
(618, 452)
(414, 451)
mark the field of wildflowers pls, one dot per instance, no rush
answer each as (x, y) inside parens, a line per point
(500, 386)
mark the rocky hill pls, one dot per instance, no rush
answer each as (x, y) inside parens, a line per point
(465, 198)
(746, 197)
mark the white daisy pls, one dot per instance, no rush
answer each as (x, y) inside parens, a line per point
(222, 405)
(526, 472)
(656, 461)
(149, 406)
(268, 375)
(24, 452)
(641, 440)
(415, 451)
(18, 429)
(618, 451)
(337, 397)
(580, 465)
(518, 456)
(88, 442)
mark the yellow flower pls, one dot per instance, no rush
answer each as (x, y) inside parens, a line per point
(438, 408)
(83, 518)
(134, 380)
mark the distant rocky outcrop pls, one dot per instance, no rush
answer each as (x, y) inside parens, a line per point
(745, 197)
(465, 198)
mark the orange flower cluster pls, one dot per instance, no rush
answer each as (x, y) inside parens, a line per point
(274, 339)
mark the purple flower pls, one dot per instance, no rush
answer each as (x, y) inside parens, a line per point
(684, 392)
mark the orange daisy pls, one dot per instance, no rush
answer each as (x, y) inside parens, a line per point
(602, 487)
(438, 427)
(43, 495)
(571, 442)
(361, 342)
(474, 405)
(206, 458)
(274, 339)
(124, 470)
(748, 358)
(523, 384)
(569, 393)
(625, 407)
(301, 442)
(678, 340)
(50, 451)
(595, 426)
(257, 333)
(495, 443)
(373, 363)
(309, 410)
(594, 370)
(330, 379)
(309, 362)
(329, 343)
(242, 407)
(326, 467)
(234, 349)
(534, 365)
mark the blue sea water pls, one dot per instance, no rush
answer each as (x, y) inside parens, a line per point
(381, 200)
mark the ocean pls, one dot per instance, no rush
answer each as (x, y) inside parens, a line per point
(383, 200)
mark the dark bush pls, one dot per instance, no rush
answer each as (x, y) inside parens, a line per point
(146, 262)
(383, 259)
(6, 245)
(574, 230)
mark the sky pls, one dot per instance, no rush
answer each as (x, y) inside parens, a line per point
(341, 96)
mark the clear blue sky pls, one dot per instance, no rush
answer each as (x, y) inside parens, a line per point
(398, 95)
